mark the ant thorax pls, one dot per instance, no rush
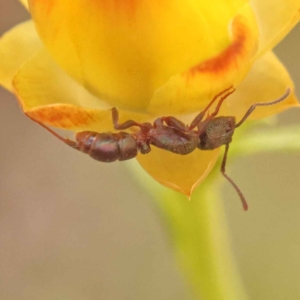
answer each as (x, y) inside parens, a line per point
(173, 139)
(218, 132)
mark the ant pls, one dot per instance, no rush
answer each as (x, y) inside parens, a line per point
(167, 133)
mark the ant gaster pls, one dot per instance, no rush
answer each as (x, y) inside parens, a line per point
(167, 133)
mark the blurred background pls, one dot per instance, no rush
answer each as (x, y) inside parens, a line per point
(71, 228)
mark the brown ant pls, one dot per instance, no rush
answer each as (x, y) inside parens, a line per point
(167, 133)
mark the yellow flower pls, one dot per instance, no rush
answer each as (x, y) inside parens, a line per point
(149, 59)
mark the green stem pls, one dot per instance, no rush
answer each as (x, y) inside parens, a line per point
(199, 236)
(285, 139)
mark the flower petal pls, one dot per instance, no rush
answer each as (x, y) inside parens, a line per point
(17, 46)
(275, 20)
(199, 84)
(182, 173)
(47, 94)
(267, 81)
(125, 50)
(25, 3)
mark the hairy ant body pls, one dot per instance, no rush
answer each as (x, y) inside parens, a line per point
(167, 133)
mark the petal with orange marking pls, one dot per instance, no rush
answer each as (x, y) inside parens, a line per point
(267, 81)
(126, 50)
(47, 94)
(275, 20)
(17, 46)
(182, 173)
(192, 90)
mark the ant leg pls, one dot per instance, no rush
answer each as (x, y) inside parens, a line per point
(125, 125)
(220, 103)
(244, 202)
(172, 122)
(200, 116)
(66, 141)
(202, 125)
(253, 106)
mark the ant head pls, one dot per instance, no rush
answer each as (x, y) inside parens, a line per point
(217, 132)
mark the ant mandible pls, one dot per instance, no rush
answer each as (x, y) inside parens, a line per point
(167, 133)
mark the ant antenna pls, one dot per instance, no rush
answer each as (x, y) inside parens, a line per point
(253, 106)
(247, 114)
(242, 197)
